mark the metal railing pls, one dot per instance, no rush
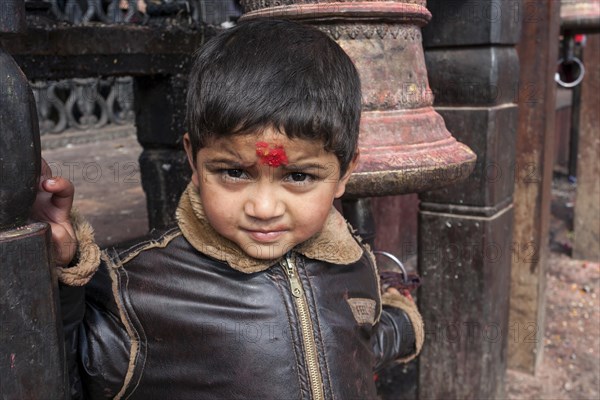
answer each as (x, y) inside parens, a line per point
(212, 12)
(89, 103)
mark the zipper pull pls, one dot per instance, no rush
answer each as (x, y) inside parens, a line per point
(290, 270)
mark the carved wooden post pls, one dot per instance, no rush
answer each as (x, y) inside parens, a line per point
(583, 16)
(538, 52)
(587, 209)
(31, 345)
(465, 231)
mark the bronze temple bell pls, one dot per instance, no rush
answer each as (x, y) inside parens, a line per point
(405, 146)
(581, 16)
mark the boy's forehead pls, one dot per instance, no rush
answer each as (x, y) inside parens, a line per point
(269, 135)
(269, 149)
(246, 144)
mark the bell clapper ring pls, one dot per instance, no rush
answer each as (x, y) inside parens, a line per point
(396, 261)
(561, 63)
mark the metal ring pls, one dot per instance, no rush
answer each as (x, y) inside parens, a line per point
(576, 81)
(396, 260)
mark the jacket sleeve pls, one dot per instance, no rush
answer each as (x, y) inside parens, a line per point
(88, 308)
(399, 334)
(87, 258)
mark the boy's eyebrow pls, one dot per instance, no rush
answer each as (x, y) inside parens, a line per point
(226, 155)
(229, 156)
(304, 166)
(227, 161)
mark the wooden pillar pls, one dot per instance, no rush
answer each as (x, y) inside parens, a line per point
(465, 230)
(31, 345)
(160, 103)
(587, 206)
(538, 52)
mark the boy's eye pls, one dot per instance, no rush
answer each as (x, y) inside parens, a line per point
(234, 173)
(298, 176)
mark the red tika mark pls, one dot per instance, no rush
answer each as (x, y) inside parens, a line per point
(12, 360)
(272, 156)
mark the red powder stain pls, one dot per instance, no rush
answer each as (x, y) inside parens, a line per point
(12, 360)
(272, 156)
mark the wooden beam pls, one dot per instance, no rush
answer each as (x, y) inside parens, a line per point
(538, 52)
(587, 206)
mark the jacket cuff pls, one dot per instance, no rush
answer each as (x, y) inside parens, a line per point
(87, 260)
(410, 309)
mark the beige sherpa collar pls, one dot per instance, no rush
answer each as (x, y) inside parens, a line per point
(334, 244)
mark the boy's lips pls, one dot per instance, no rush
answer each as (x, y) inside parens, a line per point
(266, 235)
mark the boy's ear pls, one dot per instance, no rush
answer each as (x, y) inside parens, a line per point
(187, 145)
(341, 184)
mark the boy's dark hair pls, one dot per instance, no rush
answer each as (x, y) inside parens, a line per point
(275, 73)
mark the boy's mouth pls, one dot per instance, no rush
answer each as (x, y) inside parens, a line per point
(265, 235)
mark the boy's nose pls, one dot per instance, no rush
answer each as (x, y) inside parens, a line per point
(264, 203)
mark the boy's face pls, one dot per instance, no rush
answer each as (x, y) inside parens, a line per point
(266, 210)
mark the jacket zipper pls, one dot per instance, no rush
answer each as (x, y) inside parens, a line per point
(308, 339)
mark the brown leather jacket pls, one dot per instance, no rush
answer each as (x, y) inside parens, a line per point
(186, 315)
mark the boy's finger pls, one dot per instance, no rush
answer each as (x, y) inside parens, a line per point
(62, 191)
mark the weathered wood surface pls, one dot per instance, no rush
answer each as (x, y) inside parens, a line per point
(587, 206)
(12, 17)
(464, 301)
(538, 52)
(32, 364)
(65, 40)
(53, 50)
(19, 145)
(31, 345)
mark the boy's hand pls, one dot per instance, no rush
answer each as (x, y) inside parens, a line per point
(53, 205)
(396, 292)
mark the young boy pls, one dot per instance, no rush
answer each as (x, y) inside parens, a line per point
(261, 291)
